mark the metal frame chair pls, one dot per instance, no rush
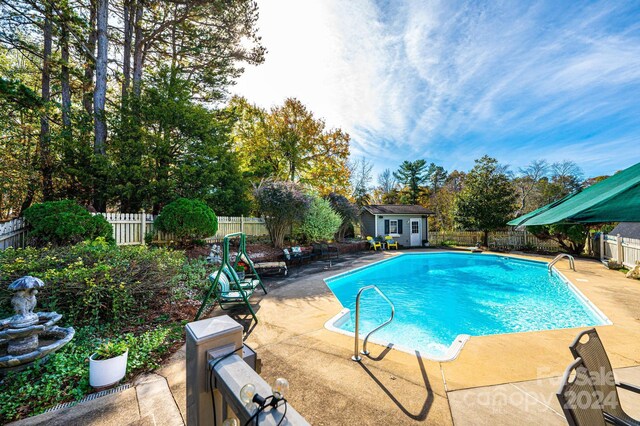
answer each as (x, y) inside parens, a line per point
(588, 347)
(578, 397)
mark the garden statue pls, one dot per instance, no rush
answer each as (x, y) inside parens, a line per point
(215, 256)
(28, 336)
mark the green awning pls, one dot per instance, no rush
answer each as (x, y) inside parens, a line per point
(615, 199)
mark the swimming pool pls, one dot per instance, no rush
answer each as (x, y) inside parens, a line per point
(442, 298)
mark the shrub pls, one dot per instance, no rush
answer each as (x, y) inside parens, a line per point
(189, 220)
(282, 204)
(321, 222)
(64, 223)
(95, 282)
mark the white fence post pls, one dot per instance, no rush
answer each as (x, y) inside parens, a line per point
(620, 254)
(242, 223)
(143, 225)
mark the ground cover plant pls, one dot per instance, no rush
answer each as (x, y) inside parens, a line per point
(133, 295)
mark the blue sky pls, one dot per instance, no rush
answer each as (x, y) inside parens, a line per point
(451, 81)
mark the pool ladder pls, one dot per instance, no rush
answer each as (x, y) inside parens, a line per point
(356, 355)
(559, 257)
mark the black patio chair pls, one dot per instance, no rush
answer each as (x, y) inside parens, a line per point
(331, 250)
(319, 251)
(578, 397)
(588, 347)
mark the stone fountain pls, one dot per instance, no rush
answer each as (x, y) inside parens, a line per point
(27, 336)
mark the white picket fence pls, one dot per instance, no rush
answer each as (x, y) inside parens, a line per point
(507, 240)
(13, 234)
(131, 229)
(625, 251)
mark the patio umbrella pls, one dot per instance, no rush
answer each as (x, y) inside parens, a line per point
(615, 199)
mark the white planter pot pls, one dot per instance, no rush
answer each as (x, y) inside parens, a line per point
(107, 372)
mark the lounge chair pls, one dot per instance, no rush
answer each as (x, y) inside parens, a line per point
(373, 244)
(391, 242)
(578, 397)
(228, 296)
(588, 346)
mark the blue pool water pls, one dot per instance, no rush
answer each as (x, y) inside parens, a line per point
(439, 296)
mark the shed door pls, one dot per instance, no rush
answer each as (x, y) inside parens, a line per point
(416, 232)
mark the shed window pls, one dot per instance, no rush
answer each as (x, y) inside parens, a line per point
(393, 227)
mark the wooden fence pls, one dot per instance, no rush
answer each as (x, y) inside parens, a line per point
(625, 251)
(13, 234)
(507, 240)
(132, 228)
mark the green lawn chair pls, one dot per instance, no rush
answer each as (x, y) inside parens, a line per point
(228, 294)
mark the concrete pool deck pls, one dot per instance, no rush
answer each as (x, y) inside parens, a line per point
(501, 379)
(493, 379)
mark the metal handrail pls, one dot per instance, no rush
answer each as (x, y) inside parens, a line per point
(559, 257)
(356, 355)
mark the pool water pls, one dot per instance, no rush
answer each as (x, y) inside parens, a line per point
(439, 296)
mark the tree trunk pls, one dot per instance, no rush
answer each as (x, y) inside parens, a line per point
(126, 48)
(100, 92)
(99, 100)
(138, 50)
(87, 86)
(45, 134)
(485, 238)
(64, 82)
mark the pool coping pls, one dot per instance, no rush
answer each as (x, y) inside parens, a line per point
(453, 351)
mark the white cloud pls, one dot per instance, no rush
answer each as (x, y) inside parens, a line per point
(451, 81)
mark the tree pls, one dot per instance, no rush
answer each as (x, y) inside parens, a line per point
(59, 48)
(488, 200)
(289, 143)
(179, 149)
(527, 182)
(387, 190)
(361, 176)
(571, 237)
(447, 200)
(436, 177)
(282, 204)
(320, 222)
(348, 211)
(413, 175)
(567, 176)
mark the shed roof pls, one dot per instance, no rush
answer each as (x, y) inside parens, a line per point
(627, 230)
(397, 209)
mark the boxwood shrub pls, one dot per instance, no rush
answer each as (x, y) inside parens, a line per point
(188, 220)
(64, 223)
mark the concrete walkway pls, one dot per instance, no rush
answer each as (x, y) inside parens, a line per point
(502, 379)
(148, 402)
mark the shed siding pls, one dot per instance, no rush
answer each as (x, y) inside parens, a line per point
(405, 238)
(368, 224)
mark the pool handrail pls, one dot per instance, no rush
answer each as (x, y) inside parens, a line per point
(356, 355)
(559, 257)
